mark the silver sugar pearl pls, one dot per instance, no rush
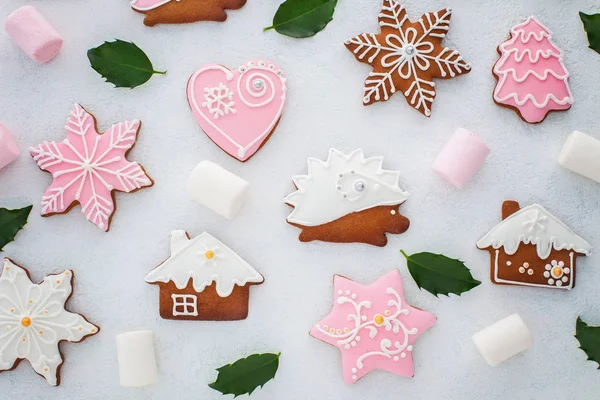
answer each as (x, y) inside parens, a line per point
(359, 186)
(410, 50)
(258, 84)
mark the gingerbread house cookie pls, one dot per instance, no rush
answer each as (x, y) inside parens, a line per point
(531, 247)
(203, 280)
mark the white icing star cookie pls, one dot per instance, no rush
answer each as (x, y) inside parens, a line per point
(34, 320)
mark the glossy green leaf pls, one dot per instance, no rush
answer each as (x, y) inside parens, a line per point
(439, 274)
(122, 63)
(591, 24)
(246, 374)
(303, 18)
(589, 340)
(11, 222)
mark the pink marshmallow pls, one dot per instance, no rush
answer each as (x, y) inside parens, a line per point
(9, 151)
(34, 35)
(461, 158)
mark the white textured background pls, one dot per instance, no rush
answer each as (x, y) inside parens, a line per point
(324, 110)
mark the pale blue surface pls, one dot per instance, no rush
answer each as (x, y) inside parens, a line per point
(324, 109)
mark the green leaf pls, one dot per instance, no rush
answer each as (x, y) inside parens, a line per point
(589, 340)
(591, 24)
(439, 274)
(122, 63)
(246, 374)
(303, 18)
(11, 222)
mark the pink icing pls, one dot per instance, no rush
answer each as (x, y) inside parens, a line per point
(373, 326)
(531, 75)
(87, 166)
(238, 109)
(145, 5)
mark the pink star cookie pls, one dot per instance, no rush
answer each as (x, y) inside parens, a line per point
(373, 326)
(87, 166)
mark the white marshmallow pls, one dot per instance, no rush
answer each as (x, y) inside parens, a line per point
(34, 35)
(502, 340)
(581, 154)
(137, 362)
(218, 189)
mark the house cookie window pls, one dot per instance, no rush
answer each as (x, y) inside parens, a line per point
(185, 304)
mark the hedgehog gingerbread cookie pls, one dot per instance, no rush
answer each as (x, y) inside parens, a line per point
(347, 199)
(184, 11)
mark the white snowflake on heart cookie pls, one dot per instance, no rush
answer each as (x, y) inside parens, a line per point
(87, 166)
(406, 56)
(33, 321)
(219, 101)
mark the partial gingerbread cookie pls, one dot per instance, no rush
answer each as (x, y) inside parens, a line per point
(87, 167)
(373, 326)
(406, 56)
(184, 11)
(203, 280)
(532, 78)
(238, 109)
(347, 198)
(531, 247)
(35, 321)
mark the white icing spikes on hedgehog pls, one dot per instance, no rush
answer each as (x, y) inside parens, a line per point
(347, 198)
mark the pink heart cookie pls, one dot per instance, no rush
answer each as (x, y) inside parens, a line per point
(239, 109)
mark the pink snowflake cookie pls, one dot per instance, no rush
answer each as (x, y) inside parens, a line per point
(532, 78)
(87, 167)
(373, 326)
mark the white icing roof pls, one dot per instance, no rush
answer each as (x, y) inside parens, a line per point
(188, 261)
(534, 225)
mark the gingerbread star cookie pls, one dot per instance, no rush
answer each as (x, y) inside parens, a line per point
(34, 321)
(183, 11)
(87, 167)
(406, 56)
(373, 326)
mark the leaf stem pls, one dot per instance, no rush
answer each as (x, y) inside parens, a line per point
(159, 72)
(404, 254)
(268, 28)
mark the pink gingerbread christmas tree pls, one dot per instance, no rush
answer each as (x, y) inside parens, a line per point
(532, 78)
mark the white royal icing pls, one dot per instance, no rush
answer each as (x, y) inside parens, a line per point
(219, 101)
(189, 260)
(410, 55)
(534, 225)
(33, 320)
(343, 184)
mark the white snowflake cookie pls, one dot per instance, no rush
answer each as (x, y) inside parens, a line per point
(34, 320)
(406, 56)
